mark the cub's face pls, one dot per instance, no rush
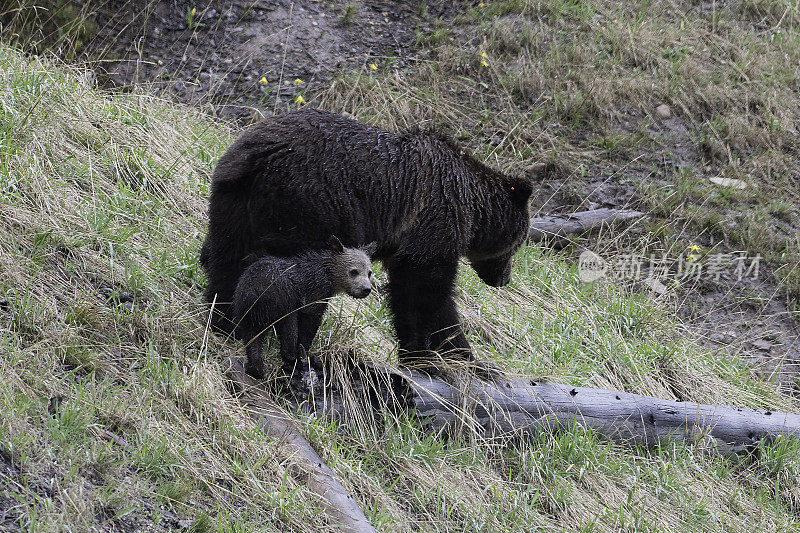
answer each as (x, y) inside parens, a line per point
(353, 273)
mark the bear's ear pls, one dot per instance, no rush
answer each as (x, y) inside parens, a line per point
(335, 244)
(370, 248)
(520, 191)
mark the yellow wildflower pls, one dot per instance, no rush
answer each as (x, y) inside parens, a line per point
(373, 66)
(298, 81)
(484, 63)
(484, 55)
(481, 4)
(681, 24)
(193, 11)
(299, 100)
(263, 80)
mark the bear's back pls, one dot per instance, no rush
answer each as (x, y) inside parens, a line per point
(309, 174)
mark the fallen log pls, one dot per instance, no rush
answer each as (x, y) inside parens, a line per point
(518, 406)
(502, 408)
(343, 512)
(558, 227)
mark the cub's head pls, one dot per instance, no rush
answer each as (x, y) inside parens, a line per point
(501, 229)
(351, 269)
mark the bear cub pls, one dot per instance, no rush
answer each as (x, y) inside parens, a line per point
(292, 294)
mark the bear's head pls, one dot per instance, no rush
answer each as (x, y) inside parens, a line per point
(500, 231)
(351, 269)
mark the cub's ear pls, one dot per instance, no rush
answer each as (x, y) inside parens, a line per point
(520, 191)
(335, 244)
(370, 248)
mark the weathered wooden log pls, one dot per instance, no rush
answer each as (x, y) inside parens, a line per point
(341, 509)
(557, 227)
(517, 406)
(514, 407)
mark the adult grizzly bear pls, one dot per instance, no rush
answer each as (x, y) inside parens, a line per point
(290, 181)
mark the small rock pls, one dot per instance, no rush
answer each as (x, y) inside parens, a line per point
(728, 182)
(723, 337)
(663, 112)
(718, 337)
(54, 405)
(210, 14)
(655, 285)
(185, 523)
(125, 296)
(128, 307)
(762, 345)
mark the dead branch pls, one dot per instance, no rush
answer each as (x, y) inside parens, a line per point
(308, 467)
(557, 227)
(517, 406)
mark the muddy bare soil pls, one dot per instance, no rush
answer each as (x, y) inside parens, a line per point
(245, 56)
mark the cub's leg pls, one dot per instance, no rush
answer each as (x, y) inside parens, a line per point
(255, 357)
(287, 329)
(310, 320)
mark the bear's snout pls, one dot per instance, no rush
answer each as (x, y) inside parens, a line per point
(364, 292)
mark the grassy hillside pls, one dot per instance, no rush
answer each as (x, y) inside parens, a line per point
(114, 415)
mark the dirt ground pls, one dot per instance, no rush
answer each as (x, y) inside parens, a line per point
(249, 59)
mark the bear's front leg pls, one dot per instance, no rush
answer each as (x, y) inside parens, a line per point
(447, 336)
(419, 295)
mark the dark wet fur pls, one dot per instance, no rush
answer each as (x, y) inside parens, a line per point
(290, 181)
(292, 295)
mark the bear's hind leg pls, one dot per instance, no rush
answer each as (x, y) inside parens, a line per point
(222, 280)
